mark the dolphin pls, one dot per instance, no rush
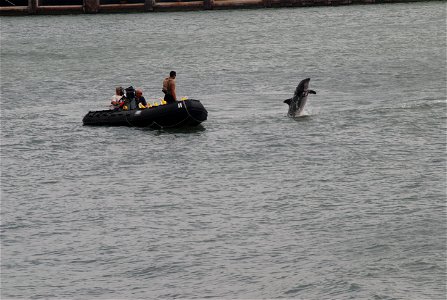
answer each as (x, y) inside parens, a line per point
(296, 104)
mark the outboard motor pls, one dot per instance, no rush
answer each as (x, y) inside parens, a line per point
(130, 98)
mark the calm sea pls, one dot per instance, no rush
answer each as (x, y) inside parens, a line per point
(348, 202)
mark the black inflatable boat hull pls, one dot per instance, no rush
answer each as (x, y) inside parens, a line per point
(174, 115)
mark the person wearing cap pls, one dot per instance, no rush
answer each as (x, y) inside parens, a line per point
(169, 87)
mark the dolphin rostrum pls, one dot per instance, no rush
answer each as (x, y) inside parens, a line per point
(296, 104)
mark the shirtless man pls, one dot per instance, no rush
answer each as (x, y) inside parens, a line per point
(169, 88)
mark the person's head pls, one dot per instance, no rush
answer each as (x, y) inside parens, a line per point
(172, 74)
(119, 91)
(138, 92)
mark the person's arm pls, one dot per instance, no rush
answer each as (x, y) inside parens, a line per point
(173, 90)
(114, 100)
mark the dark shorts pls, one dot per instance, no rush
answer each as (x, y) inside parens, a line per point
(169, 98)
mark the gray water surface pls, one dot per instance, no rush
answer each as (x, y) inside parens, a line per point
(347, 202)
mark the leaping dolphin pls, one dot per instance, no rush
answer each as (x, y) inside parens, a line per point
(296, 104)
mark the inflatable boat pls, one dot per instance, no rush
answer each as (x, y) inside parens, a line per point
(183, 113)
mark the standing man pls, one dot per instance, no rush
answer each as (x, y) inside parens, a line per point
(169, 88)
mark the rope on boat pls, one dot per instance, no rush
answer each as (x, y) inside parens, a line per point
(198, 121)
(153, 122)
(189, 116)
(125, 115)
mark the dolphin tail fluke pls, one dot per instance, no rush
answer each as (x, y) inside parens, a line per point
(288, 101)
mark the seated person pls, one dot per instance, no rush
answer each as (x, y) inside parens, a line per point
(139, 99)
(116, 102)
